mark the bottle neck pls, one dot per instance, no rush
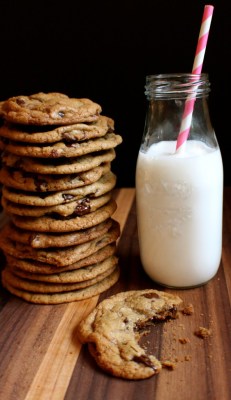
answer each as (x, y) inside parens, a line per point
(167, 96)
(176, 86)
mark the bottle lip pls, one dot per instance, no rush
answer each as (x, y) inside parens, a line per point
(177, 85)
(178, 74)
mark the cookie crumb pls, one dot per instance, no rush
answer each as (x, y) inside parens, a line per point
(203, 332)
(184, 340)
(188, 309)
(168, 364)
(187, 358)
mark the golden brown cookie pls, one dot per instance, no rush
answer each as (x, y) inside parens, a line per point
(113, 329)
(71, 165)
(70, 133)
(71, 276)
(48, 239)
(96, 189)
(63, 297)
(78, 207)
(53, 287)
(26, 181)
(49, 109)
(49, 224)
(61, 148)
(61, 256)
(38, 267)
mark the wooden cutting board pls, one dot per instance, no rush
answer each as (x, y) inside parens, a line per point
(41, 357)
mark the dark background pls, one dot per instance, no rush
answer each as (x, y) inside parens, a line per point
(103, 50)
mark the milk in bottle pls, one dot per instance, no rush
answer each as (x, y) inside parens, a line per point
(179, 194)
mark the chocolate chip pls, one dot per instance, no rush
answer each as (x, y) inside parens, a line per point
(83, 207)
(20, 101)
(41, 185)
(143, 326)
(67, 196)
(151, 296)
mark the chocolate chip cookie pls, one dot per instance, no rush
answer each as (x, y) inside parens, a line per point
(96, 189)
(113, 329)
(49, 109)
(70, 133)
(71, 165)
(27, 181)
(62, 297)
(62, 148)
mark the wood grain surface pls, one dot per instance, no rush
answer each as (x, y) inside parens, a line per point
(41, 357)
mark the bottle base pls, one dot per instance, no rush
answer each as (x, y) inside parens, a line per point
(181, 287)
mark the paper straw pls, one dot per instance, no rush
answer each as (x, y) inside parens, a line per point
(197, 67)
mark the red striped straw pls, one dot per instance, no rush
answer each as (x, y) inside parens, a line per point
(197, 67)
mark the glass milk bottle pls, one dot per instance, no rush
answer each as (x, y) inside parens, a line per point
(179, 193)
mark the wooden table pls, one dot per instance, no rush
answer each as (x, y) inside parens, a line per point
(41, 358)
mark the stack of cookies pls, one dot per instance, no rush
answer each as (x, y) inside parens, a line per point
(60, 238)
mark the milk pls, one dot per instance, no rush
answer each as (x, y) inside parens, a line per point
(179, 212)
